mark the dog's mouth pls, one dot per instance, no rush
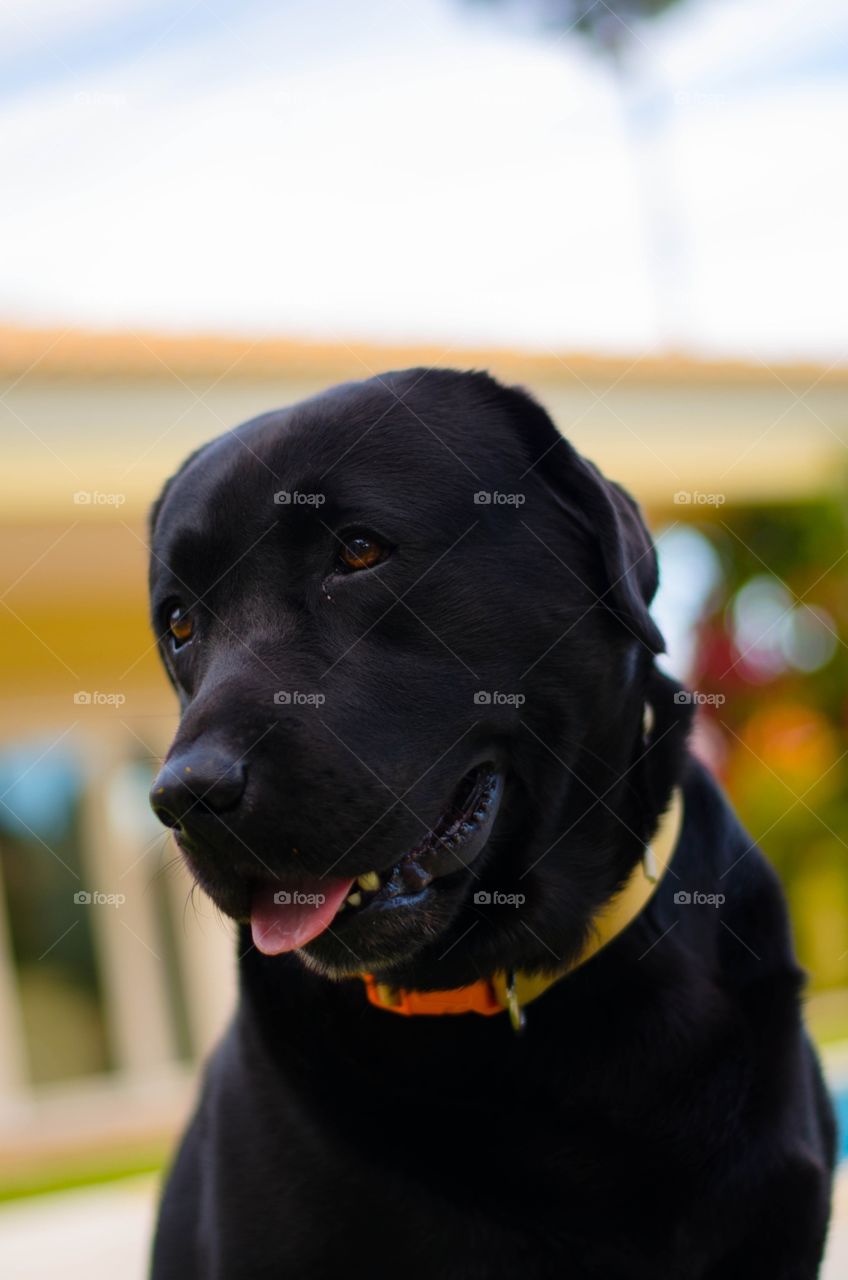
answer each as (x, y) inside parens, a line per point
(285, 919)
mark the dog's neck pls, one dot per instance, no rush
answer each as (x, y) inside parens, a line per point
(580, 855)
(511, 991)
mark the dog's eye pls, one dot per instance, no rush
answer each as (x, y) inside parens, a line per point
(361, 551)
(180, 625)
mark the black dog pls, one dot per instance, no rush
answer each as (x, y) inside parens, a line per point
(409, 630)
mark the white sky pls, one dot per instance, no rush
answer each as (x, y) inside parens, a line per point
(419, 170)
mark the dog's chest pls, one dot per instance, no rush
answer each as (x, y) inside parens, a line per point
(445, 1188)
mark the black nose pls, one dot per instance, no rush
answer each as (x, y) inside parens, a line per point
(200, 779)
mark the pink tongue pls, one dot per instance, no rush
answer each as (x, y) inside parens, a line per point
(295, 917)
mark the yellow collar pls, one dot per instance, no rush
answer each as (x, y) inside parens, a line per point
(513, 990)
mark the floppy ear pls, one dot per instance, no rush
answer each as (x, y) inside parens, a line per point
(626, 547)
(606, 515)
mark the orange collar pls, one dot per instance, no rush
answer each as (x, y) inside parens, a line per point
(514, 989)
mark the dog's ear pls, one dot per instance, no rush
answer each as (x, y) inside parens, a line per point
(626, 546)
(606, 515)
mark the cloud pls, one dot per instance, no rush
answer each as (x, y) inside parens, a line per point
(422, 177)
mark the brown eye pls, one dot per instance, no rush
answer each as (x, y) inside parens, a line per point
(180, 625)
(360, 551)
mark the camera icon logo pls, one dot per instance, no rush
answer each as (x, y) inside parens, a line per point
(282, 698)
(682, 898)
(82, 898)
(482, 897)
(82, 698)
(282, 898)
(482, 498)
(482, 698)
(683, 696)
(282, 498)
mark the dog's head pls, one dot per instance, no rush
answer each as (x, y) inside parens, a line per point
(408, 626)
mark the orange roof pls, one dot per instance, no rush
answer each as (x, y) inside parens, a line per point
(82, 354)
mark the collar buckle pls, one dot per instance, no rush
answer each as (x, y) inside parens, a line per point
(517, 1016)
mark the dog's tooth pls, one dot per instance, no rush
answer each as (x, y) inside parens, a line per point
(355, 899)
(370, 882)
(415, 878)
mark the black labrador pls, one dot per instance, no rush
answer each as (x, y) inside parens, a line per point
(423, 758)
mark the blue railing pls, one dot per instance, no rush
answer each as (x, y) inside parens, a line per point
(841, 1098)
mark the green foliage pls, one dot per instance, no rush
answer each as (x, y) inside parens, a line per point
(780, 737)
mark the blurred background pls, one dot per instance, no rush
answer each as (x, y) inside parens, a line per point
(636, 209)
